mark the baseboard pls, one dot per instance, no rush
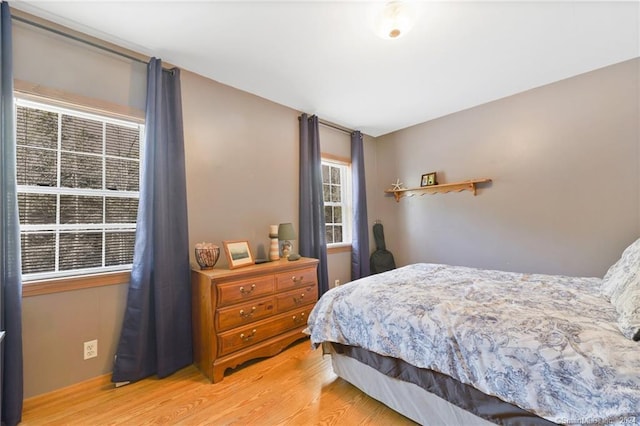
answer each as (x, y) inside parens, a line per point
(95, 384)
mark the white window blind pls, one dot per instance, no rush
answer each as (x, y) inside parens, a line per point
(336, 190)
(78, 189)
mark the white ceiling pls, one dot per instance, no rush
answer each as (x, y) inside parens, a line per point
(322, 57)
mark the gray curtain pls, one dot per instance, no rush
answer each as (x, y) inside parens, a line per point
(360, 238)
(156, 333)
(312, 238)
(10, 264)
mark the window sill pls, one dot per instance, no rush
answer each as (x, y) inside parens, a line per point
(59, 285)
(338, 248)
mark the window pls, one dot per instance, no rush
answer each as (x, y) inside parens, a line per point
(78, 189)
(336, 189)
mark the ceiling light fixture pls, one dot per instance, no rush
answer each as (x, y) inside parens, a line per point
(394, 20)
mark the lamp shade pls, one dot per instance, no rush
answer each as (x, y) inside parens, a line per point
(286, 232)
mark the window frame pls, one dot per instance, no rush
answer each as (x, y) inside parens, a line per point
(346, 184)
(51, 282)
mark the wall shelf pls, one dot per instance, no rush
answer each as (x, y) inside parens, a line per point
(468, 185)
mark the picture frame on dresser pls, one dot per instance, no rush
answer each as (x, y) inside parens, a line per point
(238, 253)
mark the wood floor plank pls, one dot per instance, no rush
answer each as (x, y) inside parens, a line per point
(295, 387)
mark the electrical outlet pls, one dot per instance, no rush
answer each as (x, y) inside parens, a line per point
(336, 283)
(90, 349)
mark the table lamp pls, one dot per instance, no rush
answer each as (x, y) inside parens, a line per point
(286, 234)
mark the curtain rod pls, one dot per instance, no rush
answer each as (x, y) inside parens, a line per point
(81, 37)
(76, 38)
(336, 127)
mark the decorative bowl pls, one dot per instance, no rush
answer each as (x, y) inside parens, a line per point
(207, 255)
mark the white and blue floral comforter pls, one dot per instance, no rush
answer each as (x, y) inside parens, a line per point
(548, 344)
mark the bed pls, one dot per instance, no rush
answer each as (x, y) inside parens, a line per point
(457, 345)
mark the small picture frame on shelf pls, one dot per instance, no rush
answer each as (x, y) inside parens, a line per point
(428, 179)
(238, 253)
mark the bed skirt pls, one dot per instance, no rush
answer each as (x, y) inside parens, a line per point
(466, 404)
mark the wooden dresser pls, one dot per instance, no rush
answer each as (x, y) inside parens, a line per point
(250, 312)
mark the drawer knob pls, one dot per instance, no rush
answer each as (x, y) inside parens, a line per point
(243, 291)
(298, 320)
(248, 337)
(297, 279)
(244, 314)
(298, 300)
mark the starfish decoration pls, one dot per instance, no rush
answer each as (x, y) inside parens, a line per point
(397, 185)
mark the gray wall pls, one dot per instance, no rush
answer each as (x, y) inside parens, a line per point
(564, 160)
(73, 67)
(241, 161)
(242, 175)
(54, 327)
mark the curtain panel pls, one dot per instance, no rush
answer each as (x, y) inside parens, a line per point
(156, 332)
(11, 371)
(360, 236)
(312, 240)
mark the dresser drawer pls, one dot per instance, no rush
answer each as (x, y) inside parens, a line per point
(237, 291)
(296, 298)
(244, 337)
(244, 313)
(296, 278)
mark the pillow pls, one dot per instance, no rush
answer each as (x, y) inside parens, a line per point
(627, 304)
(621, 285)
(621, 273)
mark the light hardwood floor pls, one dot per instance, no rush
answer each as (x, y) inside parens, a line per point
(295, 387)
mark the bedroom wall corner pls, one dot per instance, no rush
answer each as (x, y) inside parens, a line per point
(387, 171)
(371, 175)
(242, 155)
